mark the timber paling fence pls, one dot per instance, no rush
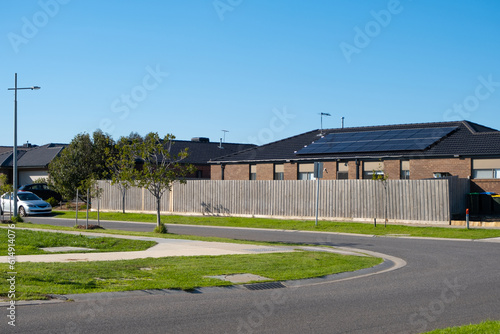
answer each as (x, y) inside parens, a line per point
(432, 201)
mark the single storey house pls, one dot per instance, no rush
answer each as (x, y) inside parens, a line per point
(32, 161)
(406, 151)
(201, 150)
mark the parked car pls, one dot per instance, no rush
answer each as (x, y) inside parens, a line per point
(42, 190)
(27, 204)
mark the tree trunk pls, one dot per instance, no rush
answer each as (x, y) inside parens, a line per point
(158, 220)
(123, 200)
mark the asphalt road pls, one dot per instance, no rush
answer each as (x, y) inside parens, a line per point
(445, 283)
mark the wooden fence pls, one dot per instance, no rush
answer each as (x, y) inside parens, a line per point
(433, 201)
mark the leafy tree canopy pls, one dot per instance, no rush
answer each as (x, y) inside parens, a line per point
(80, 164)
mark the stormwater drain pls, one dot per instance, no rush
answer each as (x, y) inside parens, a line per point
(240, 278)
(265, 286)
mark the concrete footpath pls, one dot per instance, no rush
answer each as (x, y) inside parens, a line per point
(164, 248)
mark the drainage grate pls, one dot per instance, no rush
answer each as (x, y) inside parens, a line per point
(262, 250)
(265, 286)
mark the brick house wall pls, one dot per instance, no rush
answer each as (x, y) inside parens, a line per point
(330, 170)
(351, 165)
(425, 168)
(237, 172)
(485, 185)
(265, 171)
(392, 169)
(215, 172)
(290, 171)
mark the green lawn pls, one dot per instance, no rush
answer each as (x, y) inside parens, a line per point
(29, 242)
(36, 280)
(486, 327)
(152, 234)
(325, 226)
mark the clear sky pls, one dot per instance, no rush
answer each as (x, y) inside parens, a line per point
(263, 70)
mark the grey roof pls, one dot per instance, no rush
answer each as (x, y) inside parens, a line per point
(203, 152)
(469, 139)
(37, 156)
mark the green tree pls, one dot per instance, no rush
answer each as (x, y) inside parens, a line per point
(160, 168)
(80, 164)
(4, 187)
(121, 163)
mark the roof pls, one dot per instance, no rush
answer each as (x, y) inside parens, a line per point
(36, 156)
(469, 139)
(202, 152)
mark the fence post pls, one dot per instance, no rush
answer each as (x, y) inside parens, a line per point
(77, 206)
(171, 198)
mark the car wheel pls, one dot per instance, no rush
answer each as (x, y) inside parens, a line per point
(22, 212)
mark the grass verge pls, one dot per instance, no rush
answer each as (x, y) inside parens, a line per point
(324, 226)
(37, 280)
(486, 327)
(29, 243)
(156, 235)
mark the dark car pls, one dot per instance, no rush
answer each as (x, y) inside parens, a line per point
(42, 190)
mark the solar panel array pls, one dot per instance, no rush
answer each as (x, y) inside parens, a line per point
(377, 141)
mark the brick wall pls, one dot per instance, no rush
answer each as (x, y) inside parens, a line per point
(237, 172)
(424, 168)
(215, 172)
(265, 171)
(392, 169)
(205, 171)
(483, 185)
(351, 165)
(330, 172)
(290, 171)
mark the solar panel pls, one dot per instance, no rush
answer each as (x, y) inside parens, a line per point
(377, 141)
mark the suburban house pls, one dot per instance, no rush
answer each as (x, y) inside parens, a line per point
(32, 161)
(201, 150)
(407, 151)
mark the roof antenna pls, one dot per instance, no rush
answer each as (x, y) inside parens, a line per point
(323, 114)
(224, 135)
(220, 144)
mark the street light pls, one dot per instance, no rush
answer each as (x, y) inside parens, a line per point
(14, 162)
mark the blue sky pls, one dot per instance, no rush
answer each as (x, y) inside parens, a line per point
(263, 70)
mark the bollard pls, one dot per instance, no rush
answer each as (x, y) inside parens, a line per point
(467, 217)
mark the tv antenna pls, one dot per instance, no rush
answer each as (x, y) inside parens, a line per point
(323, 114)
(225, 134)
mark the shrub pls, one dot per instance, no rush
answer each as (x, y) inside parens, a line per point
(52, 201)
(17, 219)
(160, 229)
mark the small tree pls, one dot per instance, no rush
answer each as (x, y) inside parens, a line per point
(381, 177)
(121, 163)
(160, 168)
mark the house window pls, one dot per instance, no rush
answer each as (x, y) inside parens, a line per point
(199, 174)
(438, 175)
(306, 171)
(253, 172)
(372, 168)
(486, 168)
(279, 171)
(342, 171)
(405, 170)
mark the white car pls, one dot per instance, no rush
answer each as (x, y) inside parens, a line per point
(27, 204)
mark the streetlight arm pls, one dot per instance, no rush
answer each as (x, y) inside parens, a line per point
(32, 88)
